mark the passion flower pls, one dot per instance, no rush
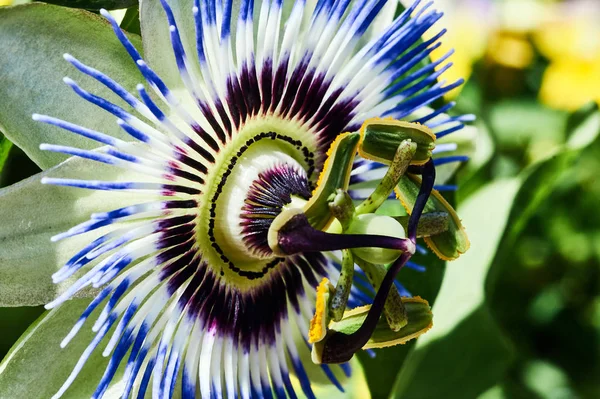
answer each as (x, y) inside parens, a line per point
(203, 278)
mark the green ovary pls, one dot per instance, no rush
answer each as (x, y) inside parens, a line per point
(371, 224)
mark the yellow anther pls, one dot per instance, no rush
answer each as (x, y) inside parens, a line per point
(319, 322)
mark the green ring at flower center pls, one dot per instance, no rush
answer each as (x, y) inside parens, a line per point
(259, 144)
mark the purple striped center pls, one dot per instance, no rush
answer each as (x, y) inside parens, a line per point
(268, 194)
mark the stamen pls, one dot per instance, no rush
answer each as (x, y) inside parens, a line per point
(393, 309)
(404, 154)
(431, 223)
(339, 347)
(339, 300)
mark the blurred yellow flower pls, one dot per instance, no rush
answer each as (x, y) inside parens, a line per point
(570, 84)
(5, 2)
(510, 50)
(510, 31)
(571, 41)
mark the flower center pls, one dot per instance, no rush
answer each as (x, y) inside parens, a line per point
(269, 166)
(253, 194)
(283, 185)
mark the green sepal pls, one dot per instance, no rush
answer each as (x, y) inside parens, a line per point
(583, 126)
(335, 175)
(420, 319)
(380, 139)
(131, 21)
(448, 245)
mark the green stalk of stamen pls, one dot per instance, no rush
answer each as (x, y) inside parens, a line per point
(404, 154)
(342, 207)
(394, 310)
(342, 289)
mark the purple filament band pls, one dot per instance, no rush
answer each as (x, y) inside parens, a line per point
(299, 236)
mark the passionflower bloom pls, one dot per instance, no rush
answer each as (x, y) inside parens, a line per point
(247, 193)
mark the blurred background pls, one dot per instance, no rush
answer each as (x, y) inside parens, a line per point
(533, 79)
(533, 69)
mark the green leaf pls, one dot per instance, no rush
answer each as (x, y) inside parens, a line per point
(17, 167)
(33, 39)
(5, 146)
(95, 4)
(131, 20)
(447, 361)
(583, 126)
(526, 129)
(19, 320)
(584, 133)
(518, 122)
(36, 366)
(32, 212)
(537, 186)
